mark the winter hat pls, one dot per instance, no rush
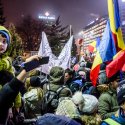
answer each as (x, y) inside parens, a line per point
(102, 78)
(35, 81)
(78, 99)
(5, 32)
(82, 64)
(91, 104)
(121, 92)
(56, 75)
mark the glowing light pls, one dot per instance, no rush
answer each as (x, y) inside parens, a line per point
(123, 0)
(47, 14)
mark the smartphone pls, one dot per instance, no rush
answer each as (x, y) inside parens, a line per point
(44, 60)
(35, 63)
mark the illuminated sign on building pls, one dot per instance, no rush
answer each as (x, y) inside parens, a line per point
(46, 17)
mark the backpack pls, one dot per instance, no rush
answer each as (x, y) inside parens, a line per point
(32, 102)
(50, 100)
(67, 108)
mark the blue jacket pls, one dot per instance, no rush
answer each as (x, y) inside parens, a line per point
(51, 119)
(120, 119)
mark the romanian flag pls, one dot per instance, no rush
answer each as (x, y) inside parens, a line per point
(113, 10)
(119, 59)
(106, 51)
(117, 64)
(92, 47)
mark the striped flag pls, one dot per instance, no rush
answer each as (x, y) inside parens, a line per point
(114, 17)
(106, 51)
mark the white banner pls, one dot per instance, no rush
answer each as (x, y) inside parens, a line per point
(63, 60)
(65, 55)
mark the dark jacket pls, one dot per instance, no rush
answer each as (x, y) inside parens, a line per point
(7, 96)
(108, 104)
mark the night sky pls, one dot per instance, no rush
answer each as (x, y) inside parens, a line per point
(78, 13)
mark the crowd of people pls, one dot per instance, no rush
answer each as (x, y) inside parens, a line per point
(62, 97)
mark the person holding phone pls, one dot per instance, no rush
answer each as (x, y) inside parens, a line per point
(10, 90)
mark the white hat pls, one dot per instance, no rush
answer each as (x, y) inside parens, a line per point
(90, 104)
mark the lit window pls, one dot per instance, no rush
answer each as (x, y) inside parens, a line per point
(123, 22)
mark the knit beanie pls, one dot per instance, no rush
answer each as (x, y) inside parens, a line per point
(5, 32)
(121, 92)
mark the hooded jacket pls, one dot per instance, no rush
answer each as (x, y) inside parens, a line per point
(5, 61)
(108, 104)
(56, 80)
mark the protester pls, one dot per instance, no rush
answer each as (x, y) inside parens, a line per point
(70, 106)
(108, 104)
(6, 77)
(54, 90)
(89, 113)
(9, 92)
(119, 117)
(5, 40)
(72, 81)
(56, 80)
(6, 68)
(69, 74)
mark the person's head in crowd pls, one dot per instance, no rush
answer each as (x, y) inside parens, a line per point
(56, 75)
(88, 59)
(103, 66)
(90, 104)
(104, 83)
(38, 81)
(121, 94)
(78, 100)
(5, 39)
(102, 78)
(82, 64)
(68, 75)
(81, 73)
(113, 81)
(87, 104)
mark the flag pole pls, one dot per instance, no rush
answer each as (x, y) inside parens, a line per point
(70, 30)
